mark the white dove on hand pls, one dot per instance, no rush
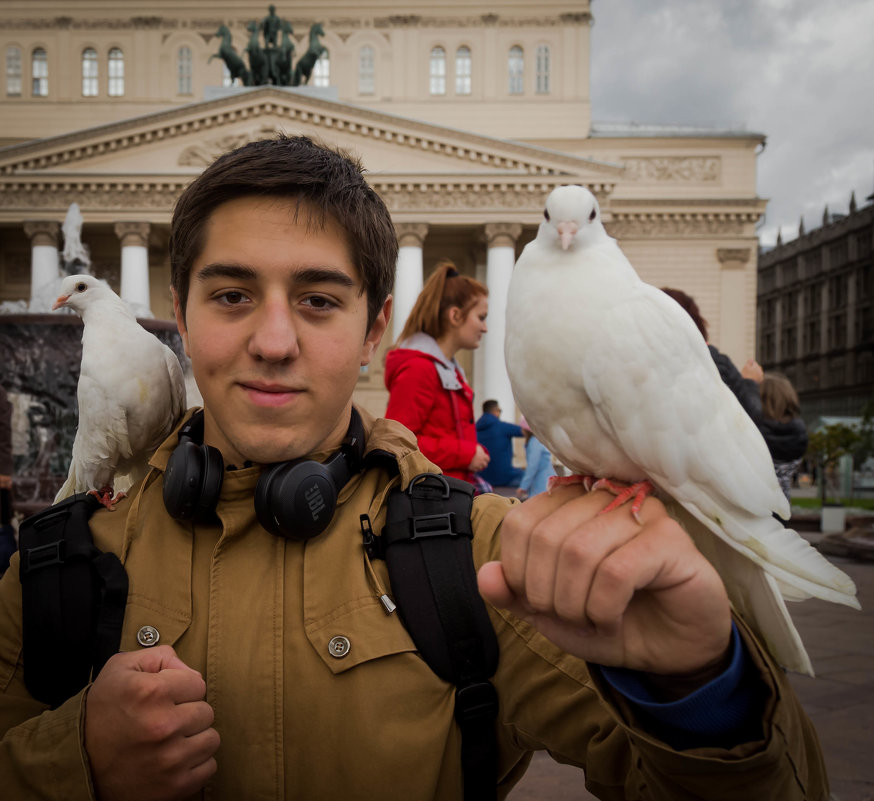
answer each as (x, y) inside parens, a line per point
(614, 378)
(129, 401)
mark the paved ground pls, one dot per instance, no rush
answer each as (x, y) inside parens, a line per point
(840, 700)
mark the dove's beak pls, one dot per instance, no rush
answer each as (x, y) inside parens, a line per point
(567, 231)
(61, 301)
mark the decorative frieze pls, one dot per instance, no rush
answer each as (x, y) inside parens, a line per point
(678, 225)
(682, 169)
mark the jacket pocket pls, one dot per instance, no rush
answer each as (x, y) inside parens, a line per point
(148, 623)
(357, 632)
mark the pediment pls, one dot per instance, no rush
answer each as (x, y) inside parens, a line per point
(180, 142)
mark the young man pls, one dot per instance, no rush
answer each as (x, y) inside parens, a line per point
(496, 436)
(277, 672)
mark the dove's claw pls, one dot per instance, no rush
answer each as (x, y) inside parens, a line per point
(106, 498)
(635, 492)
(563, 481)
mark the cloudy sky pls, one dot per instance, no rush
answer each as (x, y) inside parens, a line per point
(799, 71)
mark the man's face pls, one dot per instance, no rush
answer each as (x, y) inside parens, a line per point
(276, 329)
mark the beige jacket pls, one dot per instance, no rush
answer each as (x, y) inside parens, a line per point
(255, 614)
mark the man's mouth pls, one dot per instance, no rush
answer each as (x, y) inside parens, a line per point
(268, 394)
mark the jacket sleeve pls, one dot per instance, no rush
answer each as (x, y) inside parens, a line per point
(412, 400)
(745, 389)
(552, 701)
(42, 752)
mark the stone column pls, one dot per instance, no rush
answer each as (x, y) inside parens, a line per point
(733, 306)
(134, 238)
(45, 265)
(501, 239)
(409, 275)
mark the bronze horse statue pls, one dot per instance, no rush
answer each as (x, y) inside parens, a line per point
(284, 52)
(307, 61)
(233, 62)
(257, 59)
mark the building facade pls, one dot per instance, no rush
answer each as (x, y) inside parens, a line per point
(466, 117)
(816, 313)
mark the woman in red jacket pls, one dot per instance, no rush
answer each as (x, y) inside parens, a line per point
(428, 391)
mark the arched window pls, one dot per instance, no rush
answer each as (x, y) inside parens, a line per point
(13, 71)
(542, 68)
(438, 71)
(366, 71)
(89, 72)
(39, 69)
(183, 70)
(516, 69)
(322, 70)
(462, 71)
(116, 72)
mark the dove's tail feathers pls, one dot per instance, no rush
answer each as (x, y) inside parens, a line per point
(67, 489)
(754, 595)
(782, 553)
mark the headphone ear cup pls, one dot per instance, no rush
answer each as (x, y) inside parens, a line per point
(296, 500)
(193, 481)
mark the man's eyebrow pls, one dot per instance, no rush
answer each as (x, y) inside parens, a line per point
(306, 275)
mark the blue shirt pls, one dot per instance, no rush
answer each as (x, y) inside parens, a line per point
(496, 437)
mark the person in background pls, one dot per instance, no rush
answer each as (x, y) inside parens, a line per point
(744, 383)
(538, 469)
(496, 436)
(782, 427)
(428, 390)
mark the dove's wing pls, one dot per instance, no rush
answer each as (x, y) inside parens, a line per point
(658, 394)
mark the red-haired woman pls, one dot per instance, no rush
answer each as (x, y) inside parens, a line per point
(428, 391)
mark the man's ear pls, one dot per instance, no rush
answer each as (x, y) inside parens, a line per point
(180, 322)
(376, 332)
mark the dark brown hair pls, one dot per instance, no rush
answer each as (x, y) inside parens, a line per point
(326, 182)
(779, 398)
(690, 306)
(444, 289)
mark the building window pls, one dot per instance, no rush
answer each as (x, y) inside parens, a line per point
(322, 70)
(183, 70)
(438, 71)
(40, 72)
(516, 68)
(116, 73)
(366, 71)
(89, 72)
(13, 72)
(542, 66)
(462, 71)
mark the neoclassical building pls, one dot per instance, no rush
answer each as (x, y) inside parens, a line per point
(466, 116)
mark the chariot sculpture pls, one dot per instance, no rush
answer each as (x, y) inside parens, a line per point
(270, 62)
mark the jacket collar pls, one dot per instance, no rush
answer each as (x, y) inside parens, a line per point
(447, 369)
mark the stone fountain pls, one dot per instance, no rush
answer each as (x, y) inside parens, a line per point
(40, 354)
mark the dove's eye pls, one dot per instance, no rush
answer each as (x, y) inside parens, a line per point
(592, 216)
(81, 286)
(546, 215)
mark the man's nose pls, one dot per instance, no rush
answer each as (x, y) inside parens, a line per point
(274, 338)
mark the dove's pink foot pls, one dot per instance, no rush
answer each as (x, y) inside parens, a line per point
(106, 498)
(563, 481)
(636, 493)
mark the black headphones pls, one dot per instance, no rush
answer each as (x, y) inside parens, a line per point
(295, 500)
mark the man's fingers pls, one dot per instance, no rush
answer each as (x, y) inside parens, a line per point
(195, 717)
(493, 585)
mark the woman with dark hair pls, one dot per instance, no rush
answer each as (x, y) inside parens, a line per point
(428, 391)
(782, 427)
(744, 383)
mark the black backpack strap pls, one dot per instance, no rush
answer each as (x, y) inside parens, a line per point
(73, 600)
(427, 547)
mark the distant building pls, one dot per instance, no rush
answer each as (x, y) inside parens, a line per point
(816, 313)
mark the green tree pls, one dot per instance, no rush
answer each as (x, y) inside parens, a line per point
(828, 444)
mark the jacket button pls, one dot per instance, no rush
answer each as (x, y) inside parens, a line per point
(339, 647)
(148, 636)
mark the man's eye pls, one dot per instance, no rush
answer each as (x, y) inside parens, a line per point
(318, 302)
(232, 298)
